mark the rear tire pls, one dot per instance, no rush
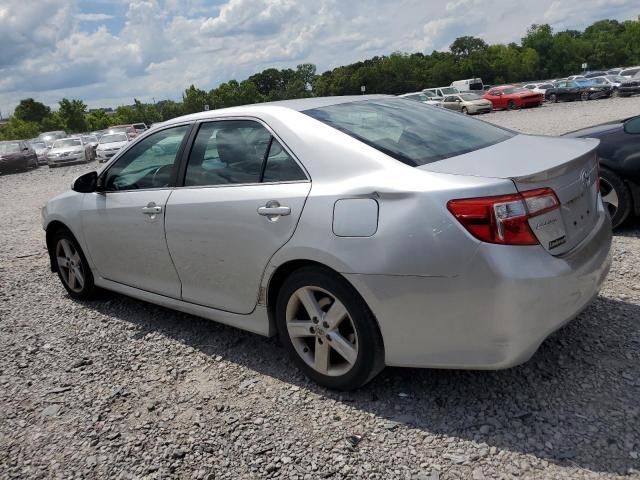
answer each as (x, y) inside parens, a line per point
(72, 266)
(465, 111)
(584, 96)
(318, 342)
(616, 197)
(553, 98)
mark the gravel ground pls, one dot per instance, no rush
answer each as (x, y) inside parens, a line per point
(119, 388)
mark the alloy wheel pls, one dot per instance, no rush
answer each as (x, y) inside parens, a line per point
(70, 265)
(609, 197)
(322, 331)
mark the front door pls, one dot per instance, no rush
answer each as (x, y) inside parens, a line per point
(123, 224)
(241, 200)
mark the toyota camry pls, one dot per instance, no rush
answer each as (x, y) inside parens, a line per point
(364, 231)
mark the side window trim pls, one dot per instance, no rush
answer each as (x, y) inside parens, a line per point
(139, 138)
(184, 161)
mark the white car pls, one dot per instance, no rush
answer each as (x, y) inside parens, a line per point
(68, 150)
(441, 92)
(423, 97)
(538, 87)
(110, 144)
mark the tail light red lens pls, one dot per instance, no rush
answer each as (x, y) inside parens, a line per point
(504, 219)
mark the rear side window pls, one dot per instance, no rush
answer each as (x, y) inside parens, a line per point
(412, 133)
(238, 152)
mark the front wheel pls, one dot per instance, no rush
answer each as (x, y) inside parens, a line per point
(328, 329)
(553, 98)
(615, 196)
(71, 264)
(511, 105)
(465, 111)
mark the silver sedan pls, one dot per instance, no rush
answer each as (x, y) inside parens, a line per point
(364, 231)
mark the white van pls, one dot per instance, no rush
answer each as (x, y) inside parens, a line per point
(469, 85)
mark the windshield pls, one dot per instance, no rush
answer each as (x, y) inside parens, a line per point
(119, 129)
(429, 93)
(9, 147)
(413, 134)
(508, 91)
(113, 137)
(449, 90)
(614, 78)
(468, 97)
(38, 145)
(67, 142)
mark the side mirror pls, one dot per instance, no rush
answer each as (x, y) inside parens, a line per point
(632, 126)
(86, 183)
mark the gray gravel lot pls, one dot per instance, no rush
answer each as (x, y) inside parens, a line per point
(119, 388)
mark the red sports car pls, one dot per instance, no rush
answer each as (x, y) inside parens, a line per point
(511, 97)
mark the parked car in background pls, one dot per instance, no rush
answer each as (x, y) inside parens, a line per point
(619, 157)
(614, 71)
(110, 144)
(140, 127)
(127, 129)
(441, 92)
(595, 73)
(69, 150)
(92, 141)
(98, 133)
(515, 224)
(50, 137)
(511, 97)
(541, 87)
(630, 85)
(571, 90)
(467, 103)
(423, 97)
(469, 85)
(40, 147)
(595, 89)
(629, 72)
(575, 77)
(17, 155)
(614, 81)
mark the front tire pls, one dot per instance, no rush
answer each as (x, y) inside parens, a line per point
(553, 98)
(328, 330)
(511, 105)
(615, 196)
(465, 111)
(73, 270)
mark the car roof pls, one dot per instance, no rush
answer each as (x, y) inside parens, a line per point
(299, 104)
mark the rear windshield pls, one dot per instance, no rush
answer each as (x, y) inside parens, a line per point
(411, 132)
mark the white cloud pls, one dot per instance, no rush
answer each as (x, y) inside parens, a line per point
(93, 17)
(156, 48)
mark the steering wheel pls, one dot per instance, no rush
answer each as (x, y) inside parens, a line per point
(161, 171)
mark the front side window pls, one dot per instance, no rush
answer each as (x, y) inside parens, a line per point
(148, 164)
(415, 135)
(231, 152)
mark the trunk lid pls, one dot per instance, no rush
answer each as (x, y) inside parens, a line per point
(568, 166)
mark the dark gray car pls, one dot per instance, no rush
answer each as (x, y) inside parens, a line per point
(17, 155)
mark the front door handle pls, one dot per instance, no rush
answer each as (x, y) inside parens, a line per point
(272, 210)
(152, 209)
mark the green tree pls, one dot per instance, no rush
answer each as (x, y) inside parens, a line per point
(98, 120)
(72, 113)
(17, 129)
(465, 46)
(31, 111)
(168, 109)
(194, 100)
(53, 122)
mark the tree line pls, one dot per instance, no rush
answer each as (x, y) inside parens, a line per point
(542, 54)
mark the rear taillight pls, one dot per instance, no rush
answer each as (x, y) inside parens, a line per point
(504, 219)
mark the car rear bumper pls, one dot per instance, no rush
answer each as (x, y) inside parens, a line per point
(496, 314)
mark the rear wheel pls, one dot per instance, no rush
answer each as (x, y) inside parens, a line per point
(465, 111)
(615, 196)
(328, 329)
(584, 96)
(553, 98)
(73, 269)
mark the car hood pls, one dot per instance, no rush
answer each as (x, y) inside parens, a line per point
(109, 146)
(518, 157)
(596, 130)
(65, 149)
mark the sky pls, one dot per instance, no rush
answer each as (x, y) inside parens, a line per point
(107, 52)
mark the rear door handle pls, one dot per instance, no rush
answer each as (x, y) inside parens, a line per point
(273, 210)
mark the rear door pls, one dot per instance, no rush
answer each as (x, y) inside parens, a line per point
(241, 199)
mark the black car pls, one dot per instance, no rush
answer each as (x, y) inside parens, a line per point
(619, 155)
(17, 155)
(569, 90)
(630, 86)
